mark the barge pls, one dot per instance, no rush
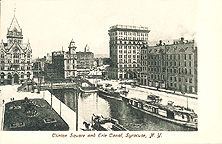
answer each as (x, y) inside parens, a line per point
(88, 89)
(111, 92)
(171, 113)
(100, 123)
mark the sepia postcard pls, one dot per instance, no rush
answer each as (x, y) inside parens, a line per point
(117, 71)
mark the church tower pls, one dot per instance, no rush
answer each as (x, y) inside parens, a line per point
(15, 57)
(14, 33)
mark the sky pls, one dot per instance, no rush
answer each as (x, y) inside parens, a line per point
(50, 25)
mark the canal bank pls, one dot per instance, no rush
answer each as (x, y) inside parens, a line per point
(130, 118)
(190, 101)
(9, 93)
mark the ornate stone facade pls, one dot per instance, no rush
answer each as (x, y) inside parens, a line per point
(15, 56)
(125, 47)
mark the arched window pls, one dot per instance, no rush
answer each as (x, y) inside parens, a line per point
(2, 75)
(9, 76)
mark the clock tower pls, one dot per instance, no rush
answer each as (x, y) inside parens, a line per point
(72, 47)
(14, 33)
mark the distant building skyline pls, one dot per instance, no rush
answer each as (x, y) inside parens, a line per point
(87, 22)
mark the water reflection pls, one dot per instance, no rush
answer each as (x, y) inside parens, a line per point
(130, 118)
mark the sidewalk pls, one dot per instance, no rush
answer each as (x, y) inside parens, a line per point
(170, 91)
(166, 95)
(115, 83)
(8, 92)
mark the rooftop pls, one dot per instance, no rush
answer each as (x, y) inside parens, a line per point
(129, 27)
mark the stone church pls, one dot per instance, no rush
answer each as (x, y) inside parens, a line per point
(15, 57)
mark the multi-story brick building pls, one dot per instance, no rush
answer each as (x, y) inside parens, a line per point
(38, 69)
(181, 66)
(85, 61)
(143, 73)
(171, 66)
(153, 65)
(58, 63)
(70, 64)
(63, 64)
(125, 47)
(15, 56)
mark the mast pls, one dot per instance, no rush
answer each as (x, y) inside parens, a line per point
(77, 119)
(38, 70)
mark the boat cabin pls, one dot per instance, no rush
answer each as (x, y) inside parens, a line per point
(154, 98)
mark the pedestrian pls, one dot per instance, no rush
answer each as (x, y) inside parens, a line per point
(3, 101)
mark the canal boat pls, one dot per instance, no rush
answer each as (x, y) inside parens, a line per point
(32, 115)
(172, 113)
(111, 92)
(122, 90)
(100, 123)
(88, 89)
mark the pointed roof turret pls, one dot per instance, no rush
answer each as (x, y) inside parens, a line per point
(14, 25)
(72, 47)
(14, 30)
(71, 44)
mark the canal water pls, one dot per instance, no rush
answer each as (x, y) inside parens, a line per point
(133, 120)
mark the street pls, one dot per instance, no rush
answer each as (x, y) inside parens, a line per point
(142, 93)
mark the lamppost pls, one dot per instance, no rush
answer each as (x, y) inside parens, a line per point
(51, 91)
(39, 76)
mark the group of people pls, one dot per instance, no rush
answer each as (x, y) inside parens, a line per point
(12, 99)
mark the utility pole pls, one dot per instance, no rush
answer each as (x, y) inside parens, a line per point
(51, 93)
(39, 78)
(77, 95)
(38, 70)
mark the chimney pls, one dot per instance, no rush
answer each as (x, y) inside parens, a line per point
(160, 42)
(182, 39)
(85, 48)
